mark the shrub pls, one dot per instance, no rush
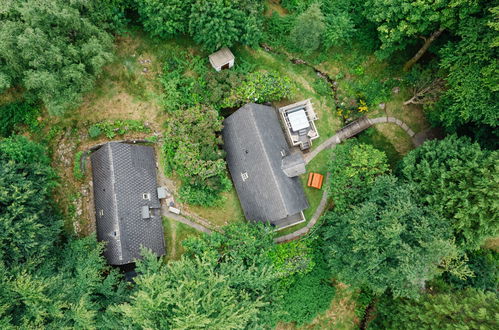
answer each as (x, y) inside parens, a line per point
(196, 194)
(117, 127)
(339, 29)
(292, 258)
(322, 87)
(14, 115)
(94, 131)
(310, 295)
(263, 86)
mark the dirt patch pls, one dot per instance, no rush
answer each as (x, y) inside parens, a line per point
(341, 314)
(273, 6)
(492, 243)
(119, 106)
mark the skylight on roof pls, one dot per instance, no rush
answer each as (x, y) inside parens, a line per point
(244, 176)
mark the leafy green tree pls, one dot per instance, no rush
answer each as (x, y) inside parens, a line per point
(243, 254)
(250, 260)
(459, 181)
(309, 28)
(224, 281)
(354, 168)
(466, 309)
(402, 22)
(191, 149)
(45, 281)
(340, 29)
(69, 290)
(483, 263)
(185, 294)
(28, 222)
(54, 49)
(164, 18)
(218, 23)
(388, 242)
(470, 64)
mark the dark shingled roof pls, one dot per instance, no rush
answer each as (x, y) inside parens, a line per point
(293, 165)
(122, 174)
(255, 144)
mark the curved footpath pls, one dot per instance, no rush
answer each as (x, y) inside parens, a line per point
(345, 133)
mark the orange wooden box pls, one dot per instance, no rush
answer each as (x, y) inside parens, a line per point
(315, 180)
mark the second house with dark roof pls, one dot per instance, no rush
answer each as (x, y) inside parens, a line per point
(263, 168)
(127, 207)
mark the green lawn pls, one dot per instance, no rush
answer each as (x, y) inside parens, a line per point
(373, 137)
(230, 211)
(175, 233)
(314, 196)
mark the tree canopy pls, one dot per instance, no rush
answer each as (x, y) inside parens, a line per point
(307, 32)
(401, 22)
(54, 49)
(459, 181)
(354, 168)
(466, 309)
(387, 242)
(28, 222)
(185, 294)
(212, 24)
(46, 279)
(471, 67)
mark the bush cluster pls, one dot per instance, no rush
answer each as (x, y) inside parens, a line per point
(17, 114)
(117, 127)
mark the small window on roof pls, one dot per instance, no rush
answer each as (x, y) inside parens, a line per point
(244, 176)
(283, 152)
(101, 213)
(146, 196)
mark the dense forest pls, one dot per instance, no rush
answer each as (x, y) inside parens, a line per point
(413, 236)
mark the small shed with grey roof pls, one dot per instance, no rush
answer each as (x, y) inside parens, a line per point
(263, 169)
(222, 59)
(127, 208)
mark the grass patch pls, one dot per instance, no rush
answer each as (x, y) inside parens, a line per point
(77, 172)
(373, 137)
(320, 165)
(176, 232)
(228, 212)
(341, 314)
(115, 128)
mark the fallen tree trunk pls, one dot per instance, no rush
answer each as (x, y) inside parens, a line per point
(427, 42)
(427, 93)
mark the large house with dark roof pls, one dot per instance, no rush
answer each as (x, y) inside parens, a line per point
(127, 208)
(263, 168)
